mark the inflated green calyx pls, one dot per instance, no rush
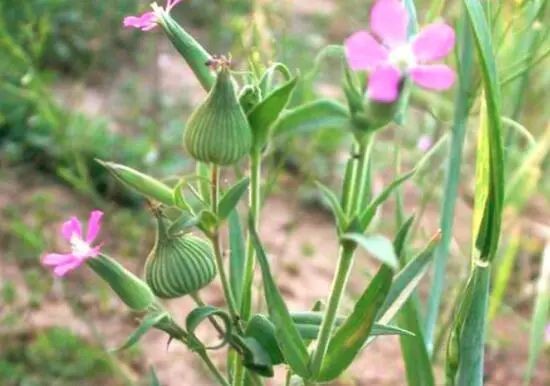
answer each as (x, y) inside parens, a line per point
(218, 130)
(178, 264)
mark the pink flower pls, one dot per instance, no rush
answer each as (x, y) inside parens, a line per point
(424, 143)
(148, 20)
(388, 55)
(81, 249)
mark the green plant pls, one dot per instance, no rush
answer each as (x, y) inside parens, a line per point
(318, 346)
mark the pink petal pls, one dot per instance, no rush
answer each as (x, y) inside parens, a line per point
(94, 225)
(61, 270)
(434, 77)
(70, 227)
(434, 42)
(57, 259)
(145, 22)
(384, 84)
(389, 20)
(363, 52)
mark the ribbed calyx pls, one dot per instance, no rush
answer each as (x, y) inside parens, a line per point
(218, 130)
(178, 265)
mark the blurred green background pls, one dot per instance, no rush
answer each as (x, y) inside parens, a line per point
(75, 86)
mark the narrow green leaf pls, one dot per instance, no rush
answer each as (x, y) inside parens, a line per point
(184, 223)
(334, 204)
(264, 114)
(237, 256)
(352, 335)
(378, 246)
(231, 198)
(465, 351)
(462, 105)
(418, 366)
(541, 313)
(368, 213)
(322, 114)
(311, 331)
(197, 316)
(406, 281)
(288, 336)
(401, 237)
(266, 81)
(490, 163)
(262, 329)
(148, 322)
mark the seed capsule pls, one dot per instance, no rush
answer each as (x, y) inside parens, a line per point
(218, 130)
(178, 265)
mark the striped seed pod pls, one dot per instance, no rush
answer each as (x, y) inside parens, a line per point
(178, 265)
(218, 130)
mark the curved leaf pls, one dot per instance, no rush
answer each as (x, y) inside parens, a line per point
(288, 336)
(321, 114)
(379, 247)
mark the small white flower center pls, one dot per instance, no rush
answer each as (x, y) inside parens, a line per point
(403, 57)
(79, 247)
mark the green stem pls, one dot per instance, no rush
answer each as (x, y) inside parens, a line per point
(350, 178)
(215, 238)
(179, 333)
(462, 109)
(213, 369)
(338, 285)
(246, 297)
(255, 205)
(363, 172)
(196, 297)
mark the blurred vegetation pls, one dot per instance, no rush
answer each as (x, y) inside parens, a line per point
(44, 42)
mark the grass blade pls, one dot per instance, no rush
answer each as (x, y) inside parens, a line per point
(462, 105)
(465, 350)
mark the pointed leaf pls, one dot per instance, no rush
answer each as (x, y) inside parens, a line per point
(148, 322)
(379, 247)
(406, 281)
(264, 114)
(184, 223)
(288, 336)
(352, 335)
(334, 204)
(232, 197)
(368, 213)
(322, 114)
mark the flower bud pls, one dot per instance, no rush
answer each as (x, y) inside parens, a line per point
(131, 290)
(178, 265)
(218, 130)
